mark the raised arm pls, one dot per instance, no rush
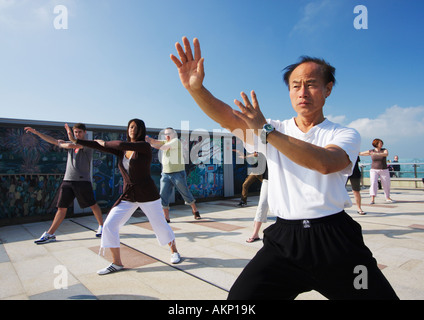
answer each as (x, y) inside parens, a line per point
(43, 136)
(192, 73)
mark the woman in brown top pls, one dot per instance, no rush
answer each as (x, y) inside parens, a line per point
(378, 169)
(134, 159)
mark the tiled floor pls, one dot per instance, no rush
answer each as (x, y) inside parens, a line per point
(214, 252)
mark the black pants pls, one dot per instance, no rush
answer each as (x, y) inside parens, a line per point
(326, 254)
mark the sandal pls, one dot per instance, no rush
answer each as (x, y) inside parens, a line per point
(250, 240)
(361, 212)
(196, 215)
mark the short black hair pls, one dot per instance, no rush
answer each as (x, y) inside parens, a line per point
(141, 130)
(80, 126)
(328, 71)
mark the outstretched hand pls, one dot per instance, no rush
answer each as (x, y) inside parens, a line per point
(29, 129)
(101, 142)
(70, 134)
(190, 69)
(250, 113)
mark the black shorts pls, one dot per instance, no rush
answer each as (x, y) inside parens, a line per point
(355, 183)
(318, 254)
(82, 190)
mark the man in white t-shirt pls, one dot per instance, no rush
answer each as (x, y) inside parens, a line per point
(314, 244)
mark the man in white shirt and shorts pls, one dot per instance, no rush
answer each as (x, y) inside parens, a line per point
(314, 244)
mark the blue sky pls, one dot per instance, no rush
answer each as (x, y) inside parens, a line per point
(112, 63)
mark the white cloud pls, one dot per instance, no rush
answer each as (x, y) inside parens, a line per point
(314, 15)
(401, 129)
(396, 124)
(336, 119)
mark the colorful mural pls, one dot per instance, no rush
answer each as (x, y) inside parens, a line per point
(22, 153)
(31, 171)
(204, 167)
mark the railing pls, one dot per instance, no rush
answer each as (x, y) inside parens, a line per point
(408, 172)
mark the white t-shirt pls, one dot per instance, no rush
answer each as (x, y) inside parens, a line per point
(295, 192)
(126, 162)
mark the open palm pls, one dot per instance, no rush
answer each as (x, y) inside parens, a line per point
(190, 68)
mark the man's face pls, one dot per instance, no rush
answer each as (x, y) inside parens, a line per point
(169, 133)
(308, 90)
(79, 133)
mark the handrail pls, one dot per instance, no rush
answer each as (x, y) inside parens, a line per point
(396, 163)
(402, 175)
(414, 165)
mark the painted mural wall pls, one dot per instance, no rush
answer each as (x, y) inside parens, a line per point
(31, 171)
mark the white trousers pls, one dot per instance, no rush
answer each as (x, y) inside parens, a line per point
(262, 209)
(385, 181)
(120, 214)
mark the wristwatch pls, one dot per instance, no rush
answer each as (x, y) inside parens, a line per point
(266, 130)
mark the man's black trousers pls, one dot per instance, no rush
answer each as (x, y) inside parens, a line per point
(325, 254)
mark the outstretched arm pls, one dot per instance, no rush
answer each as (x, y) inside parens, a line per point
(43, 136)
(384, 152)
(250, 120)
(93, 144)
(192, 73)
(157, 144)
(49, 139)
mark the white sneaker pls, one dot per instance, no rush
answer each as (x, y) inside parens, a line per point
(175, 258)
(112, 268)
(99, 232)
(46, 238)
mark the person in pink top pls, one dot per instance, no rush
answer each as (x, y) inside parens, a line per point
(378, 169)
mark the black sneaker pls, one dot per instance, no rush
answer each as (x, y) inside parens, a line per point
(241, 204)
